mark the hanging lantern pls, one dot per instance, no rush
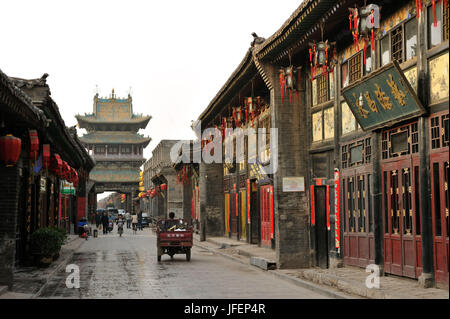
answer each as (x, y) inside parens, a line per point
(282, 84)
(163, 187)
(56, 164)
(10, 147)
(46, 156)
(34, 144)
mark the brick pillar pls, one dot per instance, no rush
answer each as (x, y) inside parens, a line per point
(9, 198)
(211, 200)
(291, 209)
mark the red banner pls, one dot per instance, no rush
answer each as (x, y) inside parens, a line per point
(271, 213)
(248, 201)
(313, 215)
(337, 206)
(328, 207)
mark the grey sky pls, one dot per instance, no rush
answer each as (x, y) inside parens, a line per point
(175, 55)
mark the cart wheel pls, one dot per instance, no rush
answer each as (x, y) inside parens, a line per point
(188, 255)
(159, 257)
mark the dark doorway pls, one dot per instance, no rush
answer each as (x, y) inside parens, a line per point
(254, 213)
(321, 227)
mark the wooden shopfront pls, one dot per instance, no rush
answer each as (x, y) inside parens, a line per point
(357, 206)
(401, 200)
(439, 171)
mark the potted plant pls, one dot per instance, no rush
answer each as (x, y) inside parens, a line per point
(45, 245)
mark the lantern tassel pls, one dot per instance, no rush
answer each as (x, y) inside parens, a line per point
(364, 49)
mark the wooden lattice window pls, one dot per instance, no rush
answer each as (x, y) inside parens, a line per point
(355, 67)
(439, 131)
(344, 156)
(356, 153)
(397, 45)
(322, 88)
(99, 149)
(400, 141)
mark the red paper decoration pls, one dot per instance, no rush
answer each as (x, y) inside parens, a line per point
(34, 144)
(10, 147)
(46, 156)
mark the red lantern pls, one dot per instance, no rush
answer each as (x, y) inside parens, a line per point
(56, 164)
(10, 147)
(34, 144)
(46, 156)
(163, 187)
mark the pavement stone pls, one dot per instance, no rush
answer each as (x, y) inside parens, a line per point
(348, 280)
(28, 281)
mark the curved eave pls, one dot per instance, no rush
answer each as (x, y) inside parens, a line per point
(144, 141)
(243, 73)
(295, 28)
(85, 119)
(15, 102)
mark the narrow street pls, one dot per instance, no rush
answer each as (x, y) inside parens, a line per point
(126, 267)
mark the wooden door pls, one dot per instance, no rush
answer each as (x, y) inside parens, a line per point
(233, 213)
(402, 241)
(320, 209)
(266, 217)
(440, 202)
(243, 198)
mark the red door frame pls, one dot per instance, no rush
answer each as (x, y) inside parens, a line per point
(266, 194)
(440, 156)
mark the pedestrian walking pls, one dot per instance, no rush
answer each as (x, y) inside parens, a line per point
(128, 218)
(105, 223)
(139, 216)
(134, 222)
(98, 219)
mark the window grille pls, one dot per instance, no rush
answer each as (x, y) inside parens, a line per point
(397, 45)
(355, 67)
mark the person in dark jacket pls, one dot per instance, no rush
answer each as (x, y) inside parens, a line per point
(98, 219)
(140, 220)
(105, 223)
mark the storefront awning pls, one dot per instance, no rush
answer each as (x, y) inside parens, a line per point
(383, 98)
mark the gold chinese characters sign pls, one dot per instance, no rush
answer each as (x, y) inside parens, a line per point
(382, 98)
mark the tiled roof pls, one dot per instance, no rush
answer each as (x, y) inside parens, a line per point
(121, 137)
(92, 119)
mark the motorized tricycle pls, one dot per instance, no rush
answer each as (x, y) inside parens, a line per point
(174, 236)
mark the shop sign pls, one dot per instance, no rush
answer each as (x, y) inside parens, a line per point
(43, 184)
(256, 170)
(294, 184)
(67, 188)
(383, 98)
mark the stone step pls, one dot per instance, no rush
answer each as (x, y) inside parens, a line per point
(263, 263)
(3, 289)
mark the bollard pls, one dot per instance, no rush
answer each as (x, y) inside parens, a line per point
(95, 233)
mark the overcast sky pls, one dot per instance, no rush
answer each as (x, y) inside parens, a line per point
(175, 55)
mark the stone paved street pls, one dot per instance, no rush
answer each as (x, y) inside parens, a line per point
(126, 267)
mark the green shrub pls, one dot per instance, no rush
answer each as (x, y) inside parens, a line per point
(46, 241)
(62, 233)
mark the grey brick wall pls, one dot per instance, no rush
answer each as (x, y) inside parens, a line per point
(291, 209)
(9, 198)
(211, 200)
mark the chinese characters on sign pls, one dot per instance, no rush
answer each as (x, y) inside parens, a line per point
(382, 97)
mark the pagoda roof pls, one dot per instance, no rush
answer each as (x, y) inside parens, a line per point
(114, 175)
(114, 137)
(91, 119)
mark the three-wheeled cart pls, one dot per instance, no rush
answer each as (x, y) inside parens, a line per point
(174, 236)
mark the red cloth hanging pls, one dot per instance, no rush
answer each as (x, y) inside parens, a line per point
(418, 8)
(364, 49)
(434, 13)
